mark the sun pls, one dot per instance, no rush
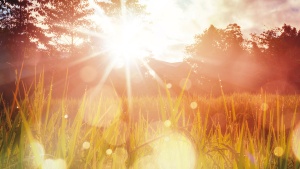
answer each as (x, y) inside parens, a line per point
(129, 37)
(126, 41)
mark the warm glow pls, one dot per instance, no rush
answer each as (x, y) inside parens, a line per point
(38, 152)
(278, 151)
(169, 150)
(169, 85)
(167, 123)
(193, 105)
(86, 145)
(127, 41)
(109, 151)
(57, 164)
(132, 37)
(174, 151)
(296, 141)
(125, 38)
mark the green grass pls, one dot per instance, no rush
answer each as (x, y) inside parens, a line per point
(232, 131)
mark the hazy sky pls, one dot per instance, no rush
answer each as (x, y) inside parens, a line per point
(174, 23)
(182, 19)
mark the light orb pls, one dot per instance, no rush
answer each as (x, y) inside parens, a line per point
(194, 105)
(109, 151)
(278, 151)
(296, 142)
(54, 164)
(86, 145)
(174, 151)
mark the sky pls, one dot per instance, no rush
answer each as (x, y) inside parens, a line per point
(174, 23)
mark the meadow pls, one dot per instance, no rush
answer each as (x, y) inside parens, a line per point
(240, 130)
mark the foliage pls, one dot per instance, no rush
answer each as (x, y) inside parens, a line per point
(18, 29)
(218, 43)
(67, 23)
(117, 9)
(280, 49)
(273, 56)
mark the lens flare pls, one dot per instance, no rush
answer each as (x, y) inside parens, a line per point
(86, 145)
(193, 105)
(146, 162)
(278, 151)
(296, 141)
(169, 86)
(175, 152)
(38, 153)
(108, 151)
(66, 116)
(167, 123)
(119, 63)
(57, 164)
(152, 73)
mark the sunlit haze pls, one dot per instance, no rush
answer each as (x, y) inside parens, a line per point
(172, 24)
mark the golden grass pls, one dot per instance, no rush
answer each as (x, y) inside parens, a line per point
(235, 131)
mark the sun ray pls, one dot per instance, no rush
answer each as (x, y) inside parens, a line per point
(125, 43)
(128, 86)
(107, 71)
(155, 76)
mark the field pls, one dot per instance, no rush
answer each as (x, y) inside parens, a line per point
(241, 130)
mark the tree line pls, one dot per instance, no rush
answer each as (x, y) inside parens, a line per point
(271, 59)
(52, 28)
(56, 29)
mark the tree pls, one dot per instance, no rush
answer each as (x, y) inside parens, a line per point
(218, 44)
(206, 45)
(66, 20)
(233, 41)
(224, 54)
(280, 49)
(117, 8)
(18, 29)
(217, 49)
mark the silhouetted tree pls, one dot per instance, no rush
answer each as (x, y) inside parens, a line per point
(233, 41)
(218, 45)
(67, 22)
(117, 8)
(207, 44)
(18, 29)
(225, 54)
(120, 13)
(280, 50)
(215, 42)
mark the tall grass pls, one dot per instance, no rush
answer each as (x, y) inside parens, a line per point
(231, 131)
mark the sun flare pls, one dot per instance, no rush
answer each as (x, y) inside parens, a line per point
(134, 36)
(126, 41)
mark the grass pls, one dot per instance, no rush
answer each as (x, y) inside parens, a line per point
(241, 130)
